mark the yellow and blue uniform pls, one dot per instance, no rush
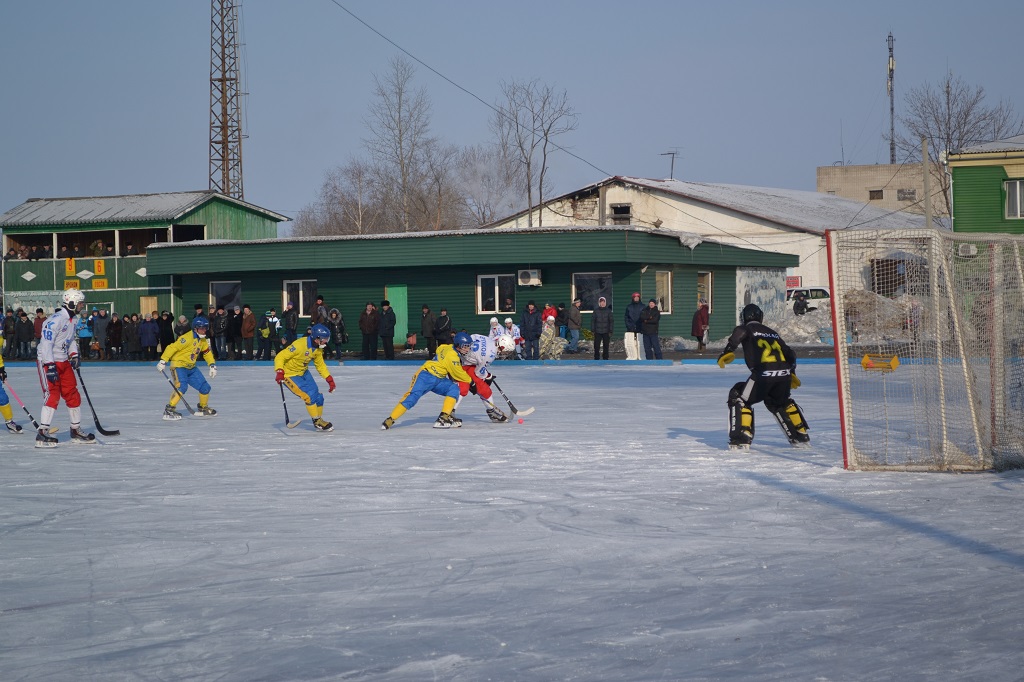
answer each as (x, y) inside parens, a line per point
(294, 359)
(5, 402)
(438, 375)
(182, 356)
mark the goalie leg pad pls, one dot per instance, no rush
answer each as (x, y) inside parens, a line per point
(791, 419)
(741, 423)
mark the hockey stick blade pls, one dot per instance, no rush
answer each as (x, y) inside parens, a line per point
(523, 413)
(95, 418)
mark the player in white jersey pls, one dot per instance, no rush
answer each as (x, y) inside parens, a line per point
(512, 329)
(482, 352)
(57, 359)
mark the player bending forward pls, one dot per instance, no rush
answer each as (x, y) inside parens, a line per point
(183, 354)
(57, 361)
(772, 366)
(292, 365)
(439, 375)
(5, 402)
(482, 352)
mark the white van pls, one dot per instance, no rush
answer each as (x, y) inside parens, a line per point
(814, 295)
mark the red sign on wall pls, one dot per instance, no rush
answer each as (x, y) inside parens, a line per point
(793, 281)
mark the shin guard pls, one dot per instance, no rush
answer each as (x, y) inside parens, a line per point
(741, 423)
(793, 424)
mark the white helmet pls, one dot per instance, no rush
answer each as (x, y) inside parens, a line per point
(508, 320)
(72, 297)
(494, 322)
(505, 343)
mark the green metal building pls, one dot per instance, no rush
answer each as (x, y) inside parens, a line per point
(473, 274)
(988, 187)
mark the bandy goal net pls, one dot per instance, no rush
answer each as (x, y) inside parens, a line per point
(929, 336)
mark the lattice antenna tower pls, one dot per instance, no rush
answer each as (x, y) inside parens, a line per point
(890, 86)
(225, 97)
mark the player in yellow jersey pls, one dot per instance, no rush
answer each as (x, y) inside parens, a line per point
(5, 402)
(437, 375)
(292, 365)
(183, 355)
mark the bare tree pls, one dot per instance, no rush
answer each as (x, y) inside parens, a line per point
(346, 204)
(488, 184)
(399, 125)
(951, 116)
(525, 124)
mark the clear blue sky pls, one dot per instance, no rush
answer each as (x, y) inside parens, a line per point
(112, 96)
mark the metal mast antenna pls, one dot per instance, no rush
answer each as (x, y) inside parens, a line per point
(892, 108)
(672, 167)
(225, 110)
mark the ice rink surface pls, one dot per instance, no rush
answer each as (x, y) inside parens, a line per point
(611, 536)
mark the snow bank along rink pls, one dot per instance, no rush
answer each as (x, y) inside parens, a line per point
(612, 536)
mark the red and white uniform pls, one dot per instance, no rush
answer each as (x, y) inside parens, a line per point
(56, 346)
(481, 353)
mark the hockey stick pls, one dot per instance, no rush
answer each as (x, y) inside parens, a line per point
(181, 396)
(512, 407)
(95, 419)
(53, 429)
(291, 425)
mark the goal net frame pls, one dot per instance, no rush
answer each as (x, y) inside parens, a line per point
(929, 334)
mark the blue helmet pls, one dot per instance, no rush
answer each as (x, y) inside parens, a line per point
(462, 339)
(320, 331)
(200, 322)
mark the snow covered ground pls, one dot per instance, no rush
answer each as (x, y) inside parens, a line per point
(612, 536)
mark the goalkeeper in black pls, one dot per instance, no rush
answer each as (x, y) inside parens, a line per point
(772, 366)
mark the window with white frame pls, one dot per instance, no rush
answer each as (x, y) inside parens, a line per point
(226, 295)
(1015, 199)
(590, 286)
(301, 292)
(704, 289)
(496, 294)
(663, 291)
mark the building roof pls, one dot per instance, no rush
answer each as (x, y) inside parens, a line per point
(805, 211)
(126, 208)
(1010, 144)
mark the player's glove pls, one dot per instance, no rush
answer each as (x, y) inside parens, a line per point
(472, 387)
(489, 380)
(75, 361)
(725, 358)
(213, 371)
(794, 381)
(279, 376)
(51, 373)
(3, 374)
(161, 365)
(330, 382)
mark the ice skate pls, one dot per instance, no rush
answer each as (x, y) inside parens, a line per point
(44, 439)
(14, 428)
(387, 424)
(446, 421)
(81, 437)
(206, 411)
(322, 425)
(170, 414)
(738, 446)
(496, 415)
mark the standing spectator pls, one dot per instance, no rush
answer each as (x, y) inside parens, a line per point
(387, 329)
(108, 251)
(274, 325)
(336, 325)
(129, 250)
(562, 320)
(290, 322)
(10, 344)
(182, 327)
(34, 253)
(318, 312)
(115, 337)
(149, 336)
(235, 333)
(11, 254)
(442, 328)
(24, 330)
(603, 326)
(263, 337)
(650, 321)
(76, 251)
(549, 311)
(37, 327)
(699, 326)
(64, 252)
(248, 331)
(47, 251)
(100, 322)
(369, 325)
(427, 322)
(531, 326)
(632, 336)
(166, 323)
(96, 249)
(512, 329)
(199, 310)
(219, 330)
(130, 335)
(83, 330)
(573, 323)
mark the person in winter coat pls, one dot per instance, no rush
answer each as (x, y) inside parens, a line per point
(182, 327)
(37, 326)
(650, 320)
(100, 322)
(10, 344)
(551, 344)
(336, 325)
(219, 331)
(388, 321)
(632, 336)
(573, 323)
(603, 325)
(530, 325)
(699, 326)
(248, 331)
(23, 333)
(149, 335)
(83, 331)
(130, 336)
(290, 323)
(369, 325)
(235, 333)
(166, 324)
(427, 329)
(114, 338)
(443, 328)
(318, 312)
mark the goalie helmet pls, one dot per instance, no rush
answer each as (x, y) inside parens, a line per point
(751, 313)
(506, 344)
(72, 298)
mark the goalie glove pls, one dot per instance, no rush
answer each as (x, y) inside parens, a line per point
(213, 371)
(725, 358)
(161, 365)
(794, 381)
(50, 371)
(330, 382)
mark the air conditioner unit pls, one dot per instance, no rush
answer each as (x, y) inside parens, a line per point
(967, 250)
(529, 278)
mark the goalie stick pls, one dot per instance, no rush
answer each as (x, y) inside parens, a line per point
(53, 429)
(181, 396)
(284, 403)
(95, 419)
(521, 413)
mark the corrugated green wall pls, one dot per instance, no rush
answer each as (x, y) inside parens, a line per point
(979, 201)
(226, 221)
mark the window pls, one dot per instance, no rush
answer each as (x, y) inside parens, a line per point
(663, 291)
(1014, 199)
(874, 195)
(226, 294)
(621, 214)
(496, 294)
(906, 195)
(704, 289)
(301, 292)
(590, 286)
